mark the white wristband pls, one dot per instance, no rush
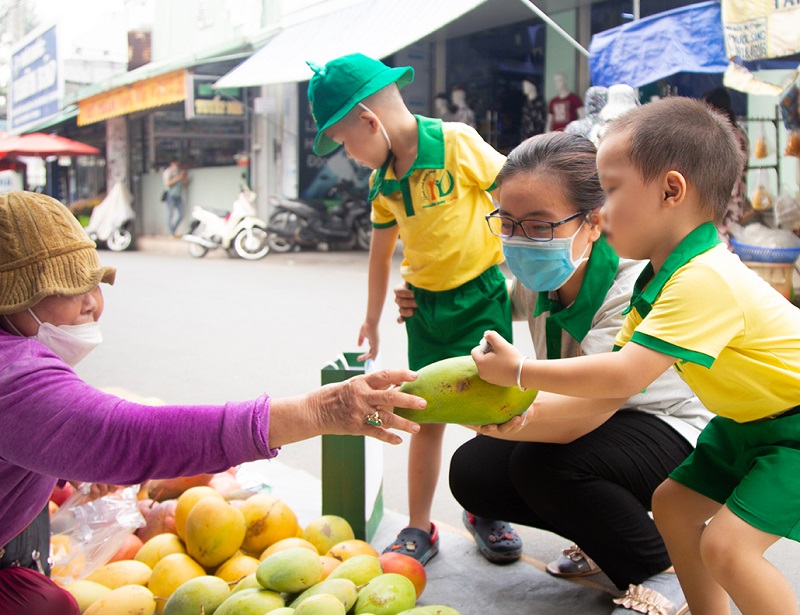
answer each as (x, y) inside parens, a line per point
(519, 374)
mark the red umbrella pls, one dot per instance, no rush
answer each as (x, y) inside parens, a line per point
(41, 144)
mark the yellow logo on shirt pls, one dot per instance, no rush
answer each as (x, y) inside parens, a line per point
(436, 185)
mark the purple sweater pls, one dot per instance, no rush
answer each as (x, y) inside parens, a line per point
(53, 425)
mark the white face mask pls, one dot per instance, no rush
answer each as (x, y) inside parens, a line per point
(70, 342)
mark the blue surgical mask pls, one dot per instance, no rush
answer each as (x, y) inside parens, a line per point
(542, 265)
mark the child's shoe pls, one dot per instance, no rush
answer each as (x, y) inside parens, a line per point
(661, 594)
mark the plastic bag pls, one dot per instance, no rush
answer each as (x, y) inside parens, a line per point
(762, 198)
(793, 144)
(86, 534)
(787, 212)
(760, 150)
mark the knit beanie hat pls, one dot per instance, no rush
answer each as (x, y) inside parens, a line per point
(43, 251)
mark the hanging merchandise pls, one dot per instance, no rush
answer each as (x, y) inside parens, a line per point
(761, 199)
(793, 144)
(760, 149)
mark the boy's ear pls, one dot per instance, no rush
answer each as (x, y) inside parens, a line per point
(674, 188)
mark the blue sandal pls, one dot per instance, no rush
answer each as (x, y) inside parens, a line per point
(497, 540)
(416, 543)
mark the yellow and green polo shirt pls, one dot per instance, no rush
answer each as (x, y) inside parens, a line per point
(440, 206)
(737, 340)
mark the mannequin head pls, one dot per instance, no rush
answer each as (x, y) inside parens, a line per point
(560, 81)
(441, 106)
(529, 89)
(459, 97)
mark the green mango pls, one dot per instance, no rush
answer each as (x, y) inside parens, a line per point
(433, 609)
(321, 604)
(344, 589)
(456, 394)
(250, 602)
(201, 594)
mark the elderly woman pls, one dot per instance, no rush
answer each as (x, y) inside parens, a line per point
(55, 426)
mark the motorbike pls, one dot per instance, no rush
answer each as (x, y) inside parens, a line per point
(111, 220)
(240, 231)
(295, 224)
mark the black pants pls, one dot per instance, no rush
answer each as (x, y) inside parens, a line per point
(595, 491)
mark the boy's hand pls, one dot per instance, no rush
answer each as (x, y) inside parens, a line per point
(512, 425)
(404, 298)
(499, 364)
(368, 333)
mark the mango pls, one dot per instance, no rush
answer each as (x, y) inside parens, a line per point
(388, 594)
(284, 610)
(248, 582)
(117, 574)
(237, 567)
(250, 602)
(186, 501)
(433, 609)
(199, 595)
(327, 531)
(158, 547)
(321, 604)
(456, 394)
(214, 531)
(350, 548)
(291, 570)
(344, 590)
(170, 573)
(360, 569)
(125, 600)
(268, 521)
(286, 543)
(329, 564)
(86, 592)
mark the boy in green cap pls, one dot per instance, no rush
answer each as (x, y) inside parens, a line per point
(429, 188)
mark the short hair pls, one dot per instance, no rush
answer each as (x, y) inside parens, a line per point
(385, 97)
(684, 135)
(568, 158)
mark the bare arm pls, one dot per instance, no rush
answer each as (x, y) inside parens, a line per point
(340, 409)
(381, 250)
(612, 375)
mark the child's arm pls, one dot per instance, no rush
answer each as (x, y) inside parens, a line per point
(611, 375)
(381, 250)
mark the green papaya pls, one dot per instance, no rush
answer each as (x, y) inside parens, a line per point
(456, 394)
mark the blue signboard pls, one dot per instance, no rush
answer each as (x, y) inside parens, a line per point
(36, 82)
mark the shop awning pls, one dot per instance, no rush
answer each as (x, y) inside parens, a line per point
(376, 28)
(687, 39)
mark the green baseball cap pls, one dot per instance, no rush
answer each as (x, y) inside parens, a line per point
(341, 84)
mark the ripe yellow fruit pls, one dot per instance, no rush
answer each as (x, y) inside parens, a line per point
(237, 567)
(350, 548)
(214, 531)
(329, 564)
(268, 521)
(125, 600)
(457, 394)
(326, 531)
(124, 572)
(86, 592)
(186, 500)
(159, 546)
(286, 543)
(170, 573)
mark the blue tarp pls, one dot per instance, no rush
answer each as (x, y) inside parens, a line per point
(687, 39)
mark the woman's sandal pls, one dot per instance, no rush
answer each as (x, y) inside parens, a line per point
(641, 599)
(497, 540)
(416, 543)
(572, 563)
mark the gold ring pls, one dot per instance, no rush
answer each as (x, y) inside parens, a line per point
(374, 419)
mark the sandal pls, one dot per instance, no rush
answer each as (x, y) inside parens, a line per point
(659, 595)
(416, 543)
(497, 540)
(573, 563)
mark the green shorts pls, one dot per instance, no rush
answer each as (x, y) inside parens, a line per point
(752, 468)
(450, 323)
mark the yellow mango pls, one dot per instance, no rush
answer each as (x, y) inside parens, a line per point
(170, 573)
(456, 394)
(214, 531)
(86, 592)
(125, 600)
(186, 500)
(158, 547)
(124, 572)
(268, 521)
(234, 569)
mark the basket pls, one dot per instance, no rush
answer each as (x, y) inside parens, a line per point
(761, 254)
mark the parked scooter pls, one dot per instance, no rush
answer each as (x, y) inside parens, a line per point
(297, 224)
(111, 220)
(240, 232)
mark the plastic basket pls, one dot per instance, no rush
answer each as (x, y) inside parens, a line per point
(760, 254)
